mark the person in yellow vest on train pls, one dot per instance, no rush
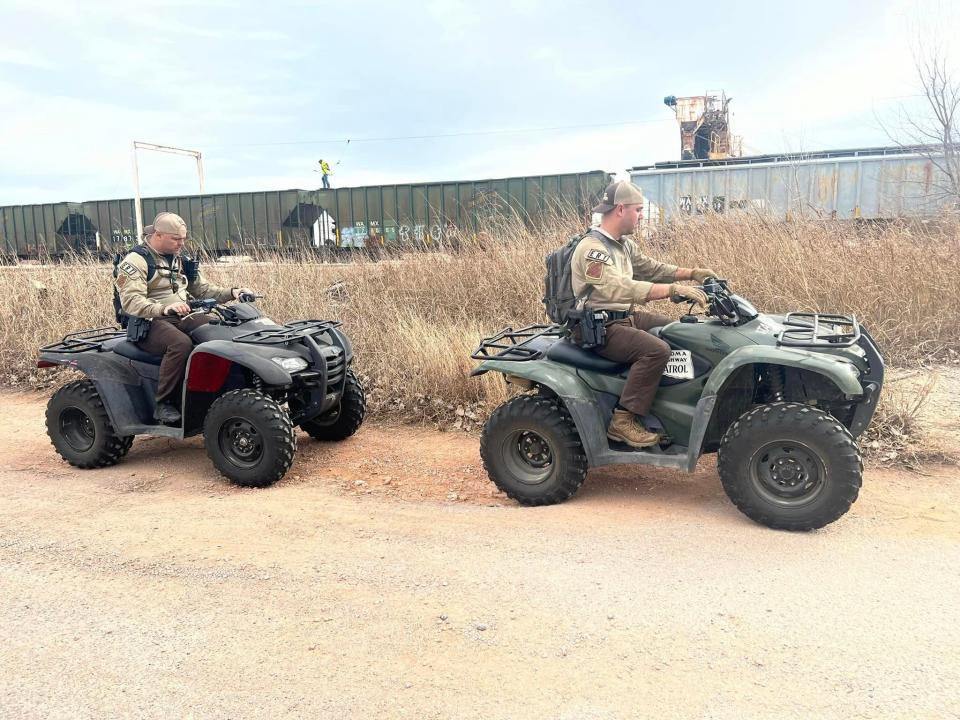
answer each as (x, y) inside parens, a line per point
(325, 169)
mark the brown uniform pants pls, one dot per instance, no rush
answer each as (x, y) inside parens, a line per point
(168, 337)
(628, 342)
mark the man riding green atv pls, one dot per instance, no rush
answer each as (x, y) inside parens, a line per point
(780, 398)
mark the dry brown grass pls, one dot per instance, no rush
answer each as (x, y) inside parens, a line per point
(415, 318)
(897, 435)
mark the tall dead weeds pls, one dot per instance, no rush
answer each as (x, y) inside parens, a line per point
(415, 316)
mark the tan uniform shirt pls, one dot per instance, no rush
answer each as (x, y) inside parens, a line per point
(620, 274)
(144, 299)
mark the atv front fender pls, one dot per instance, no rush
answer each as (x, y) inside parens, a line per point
(253, 357)
(842, 373)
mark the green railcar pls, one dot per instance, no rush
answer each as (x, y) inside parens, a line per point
(406, 215)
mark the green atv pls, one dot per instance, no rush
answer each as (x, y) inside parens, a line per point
(781, 399)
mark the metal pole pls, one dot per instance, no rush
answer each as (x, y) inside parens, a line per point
(136, 173)
(200, 171)
(136, 203)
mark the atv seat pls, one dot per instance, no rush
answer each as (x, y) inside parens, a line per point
(566, 352)
(128, 350)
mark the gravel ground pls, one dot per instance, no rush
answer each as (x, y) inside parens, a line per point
(383, 578)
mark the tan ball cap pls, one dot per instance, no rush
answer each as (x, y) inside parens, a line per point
(167, 223)
(619, 193)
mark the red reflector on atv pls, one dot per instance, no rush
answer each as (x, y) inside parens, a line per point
(46, 363)
(207, 372)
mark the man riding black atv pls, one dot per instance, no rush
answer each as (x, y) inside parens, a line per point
(152, 286)
(248, 380)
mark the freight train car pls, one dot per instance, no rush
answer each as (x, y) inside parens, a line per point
(423, 214)
(30, 231)
(870, 183)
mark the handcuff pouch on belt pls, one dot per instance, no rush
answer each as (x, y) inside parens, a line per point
(137, 328)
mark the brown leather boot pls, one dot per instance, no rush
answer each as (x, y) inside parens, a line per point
(625, 427)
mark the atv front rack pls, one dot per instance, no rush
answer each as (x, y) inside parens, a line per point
(85, 340)
(290, 332)
(510, 344)
(807, 330)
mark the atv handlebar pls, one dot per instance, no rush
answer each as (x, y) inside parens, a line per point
(210, 304)
(729, 308)
(722, 304)
(205, 305)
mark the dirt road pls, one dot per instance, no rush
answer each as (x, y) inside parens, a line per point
(382, 578)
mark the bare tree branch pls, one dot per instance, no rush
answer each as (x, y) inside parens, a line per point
(935, 132)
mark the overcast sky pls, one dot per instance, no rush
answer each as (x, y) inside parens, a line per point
(264, 90)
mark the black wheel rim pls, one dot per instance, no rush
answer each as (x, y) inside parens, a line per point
(788, 473)
(77, 428)
(240, 442)
(528, 456)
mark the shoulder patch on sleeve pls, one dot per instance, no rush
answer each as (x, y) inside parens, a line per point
(121, 281)
(595, 269)
(599, 256)
(128, 268)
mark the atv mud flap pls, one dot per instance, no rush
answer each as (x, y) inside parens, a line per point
(872, 383)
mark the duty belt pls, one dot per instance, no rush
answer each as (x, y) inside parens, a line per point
(616, 315)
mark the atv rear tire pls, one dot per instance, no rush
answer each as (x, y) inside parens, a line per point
(249, 438)
(345, 420)
(790, 466)
(532, 451)
(80, 429)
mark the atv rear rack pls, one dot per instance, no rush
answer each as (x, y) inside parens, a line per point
(807, 330)
(290, 332)
(510, 344)
(85, 340)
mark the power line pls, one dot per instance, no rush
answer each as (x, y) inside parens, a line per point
(473, 133)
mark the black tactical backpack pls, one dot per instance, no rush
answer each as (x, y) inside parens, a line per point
(559, 297)
(142, 251)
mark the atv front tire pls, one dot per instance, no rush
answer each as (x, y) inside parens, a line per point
(249, 438)
(790, 466)
(80, 429)
(532, 451)
(345, 419)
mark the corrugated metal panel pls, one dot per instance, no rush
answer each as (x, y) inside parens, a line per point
(419, 214)
(847, 186)
(46, 229)
(114, 221)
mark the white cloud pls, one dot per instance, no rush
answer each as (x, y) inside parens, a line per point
(858, 74)
(25, 58)
(110, 73)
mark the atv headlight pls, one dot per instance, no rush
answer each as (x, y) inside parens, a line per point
(291, 364)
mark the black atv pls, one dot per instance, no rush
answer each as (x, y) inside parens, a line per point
(248, 382)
